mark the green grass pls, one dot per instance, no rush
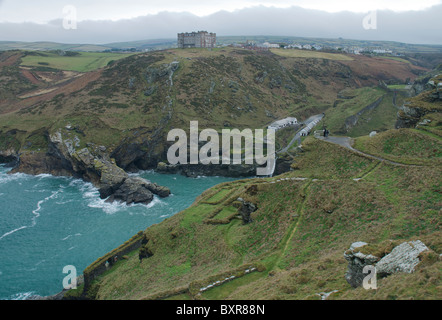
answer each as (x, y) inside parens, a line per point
(395, 59)
(334, 162)
(294, 53)
(357, 100)
(84, 62)
(219, 196)
(397, 86)
(406, 146)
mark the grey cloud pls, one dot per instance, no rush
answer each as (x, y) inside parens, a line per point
(411, 27)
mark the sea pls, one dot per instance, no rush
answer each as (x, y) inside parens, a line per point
(48, 223)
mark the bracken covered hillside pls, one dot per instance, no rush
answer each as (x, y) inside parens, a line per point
(129, 105)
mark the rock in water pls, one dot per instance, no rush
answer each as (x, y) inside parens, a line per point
(138, 190)
(160, 191)
(403, 258)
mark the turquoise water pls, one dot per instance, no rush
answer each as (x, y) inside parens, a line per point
(47, 223)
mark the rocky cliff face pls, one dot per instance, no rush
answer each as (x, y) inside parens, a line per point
(428, 100)
(66, 157)
(195, 170)
(387, 261)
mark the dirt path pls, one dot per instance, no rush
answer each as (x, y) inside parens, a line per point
(346, 142)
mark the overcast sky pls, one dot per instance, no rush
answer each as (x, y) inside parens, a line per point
(105, 21)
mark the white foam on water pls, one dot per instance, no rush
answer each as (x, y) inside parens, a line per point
(64, 202)
(22, 295)
(12, 231)
(44, 175)
(107, 207)
(5, 178)
(70, 236)
(66, 238)
(154, 202)
(92, 196)
(35, 212)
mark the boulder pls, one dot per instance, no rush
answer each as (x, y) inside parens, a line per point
(137, 190)
(387, 258)
(403, 258)
(95, 165)
(160, 191)
(133, 190)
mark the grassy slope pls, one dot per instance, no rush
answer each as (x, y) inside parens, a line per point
(379, 119)
(404, 146)
(299, 233)
(311, 54)
(84, 62)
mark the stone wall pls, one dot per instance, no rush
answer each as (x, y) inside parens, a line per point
(106, 262)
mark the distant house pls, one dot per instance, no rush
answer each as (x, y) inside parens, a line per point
(200, 39)
(382, 51)
(270, 45)
(317, 47)
(283, 123)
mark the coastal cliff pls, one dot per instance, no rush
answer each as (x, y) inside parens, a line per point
(66, 157)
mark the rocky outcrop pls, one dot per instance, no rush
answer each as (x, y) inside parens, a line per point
(408, 116)
(195, 170)
(386, 258)
(66, 157)
(428, 100)
(137, 190)
(9, 157)
(153, 73)
(403, 258)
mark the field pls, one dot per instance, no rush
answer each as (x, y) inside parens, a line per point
(398, 86)
(396, 59)
(311, 54)
(82, 62)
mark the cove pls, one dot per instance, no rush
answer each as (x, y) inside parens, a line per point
(47, 223)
